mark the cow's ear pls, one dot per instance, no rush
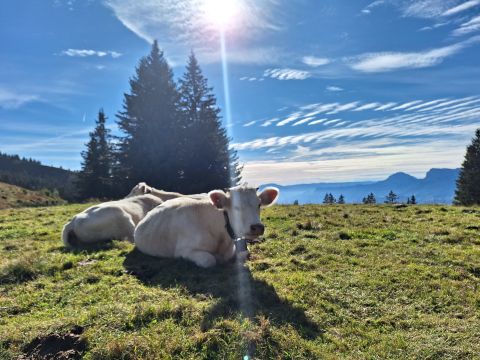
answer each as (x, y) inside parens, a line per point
(268, 196)
(144, 188)
(218, 198)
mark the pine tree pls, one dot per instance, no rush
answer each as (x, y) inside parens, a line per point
(207, 162)
(341, 199)
(413, 200)
(468, 183)
(94, 180)
(151, 123)
(329, 199)
(326, 199)
(391, 198)
(332, 199)
(370, 199)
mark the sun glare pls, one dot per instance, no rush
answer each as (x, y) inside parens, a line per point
(221, 13)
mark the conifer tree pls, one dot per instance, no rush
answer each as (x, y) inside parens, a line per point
(391, 198)
(370, 199)
(326, 199)
(413, 200)
(468, 183)
(206, 160)
(341, 199)
(151, 124)
(94, 180)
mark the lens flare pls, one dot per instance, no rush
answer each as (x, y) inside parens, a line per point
(221, 13)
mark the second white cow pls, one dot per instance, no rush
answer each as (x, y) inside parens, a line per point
(203, 231)
(108, 221)
(142, 189)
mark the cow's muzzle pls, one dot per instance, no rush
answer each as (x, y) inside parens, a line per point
(257, 229)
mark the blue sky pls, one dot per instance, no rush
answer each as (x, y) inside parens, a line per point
(329, 90)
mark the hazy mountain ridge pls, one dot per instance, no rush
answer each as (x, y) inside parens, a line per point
(438, 187)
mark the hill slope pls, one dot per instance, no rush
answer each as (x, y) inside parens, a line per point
(438, 187)
(329, 282)
(32, 175)
(13, 196)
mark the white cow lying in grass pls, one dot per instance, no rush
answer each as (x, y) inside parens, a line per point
(198, 230)
(116, 219)
(108, 221)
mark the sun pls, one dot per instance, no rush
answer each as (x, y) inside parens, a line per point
(221, 13)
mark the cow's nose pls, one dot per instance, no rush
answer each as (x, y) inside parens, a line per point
(257, 229)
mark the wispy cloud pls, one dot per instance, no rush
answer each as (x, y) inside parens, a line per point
(12, 100)
(334, 88)
(368, 9)
(250, 123)
(90, 52)
(390, 61)
(426, 9)
(462, 7)
(315, 61)
(287, 74)
(468, 27)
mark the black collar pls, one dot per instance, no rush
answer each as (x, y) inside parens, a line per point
(228, 226)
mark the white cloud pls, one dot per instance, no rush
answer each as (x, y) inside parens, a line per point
(391, 61)
(303, 121)
(291, 118)
(426, 9)
(334, 88)
(343, 107)
(249, 124)
(319, 121)
(315, 61)
(269, 122)
(407, 105)
(368, 106)
(468, 27)
(330, 122)
(287, 74)
(89, 52)
(367, 10)
(462, 7)
(12, 100)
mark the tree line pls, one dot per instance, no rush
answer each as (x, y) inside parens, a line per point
(33, 175)
(172, 136)
(370, 199)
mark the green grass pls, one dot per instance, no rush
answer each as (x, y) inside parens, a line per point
(328, 282)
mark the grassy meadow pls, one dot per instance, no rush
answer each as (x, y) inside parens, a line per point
(326, 282)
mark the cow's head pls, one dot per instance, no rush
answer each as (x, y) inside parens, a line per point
(140, 189)
(243, 205)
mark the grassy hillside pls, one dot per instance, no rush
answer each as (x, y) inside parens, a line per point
(328, 282)
(14, 196)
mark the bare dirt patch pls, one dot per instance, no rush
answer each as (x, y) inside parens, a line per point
(56, 346)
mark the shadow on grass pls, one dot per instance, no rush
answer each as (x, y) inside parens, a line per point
(86, 248)
(221, 282)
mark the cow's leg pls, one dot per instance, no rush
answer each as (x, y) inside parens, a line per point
(201, 258)
(127, 227)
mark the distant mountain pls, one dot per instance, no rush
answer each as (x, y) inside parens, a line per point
(438, 187)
